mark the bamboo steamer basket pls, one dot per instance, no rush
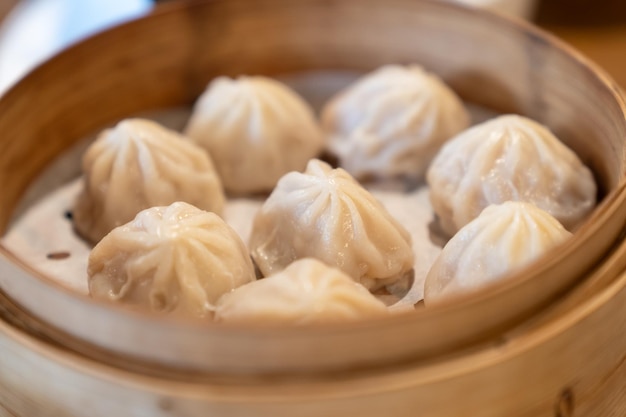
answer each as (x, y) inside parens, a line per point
(513, 349)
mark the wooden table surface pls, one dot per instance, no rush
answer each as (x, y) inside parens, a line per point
(605, 45)
(597, 28)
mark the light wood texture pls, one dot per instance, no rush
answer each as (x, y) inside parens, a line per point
(573, 365)
(440, 361)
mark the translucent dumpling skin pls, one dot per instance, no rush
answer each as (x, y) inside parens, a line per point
(256, 129)
(508, 158)
(502, 239)
(136, 165)
(325, 214)
(391, 122)
(307, 291)
(170, 259)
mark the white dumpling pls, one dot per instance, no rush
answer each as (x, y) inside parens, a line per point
(136, 165)
(392, 122)
(325, 214)
(256, 129)
(508, 158)
(170, 259)
(500, 240)
(307, 291)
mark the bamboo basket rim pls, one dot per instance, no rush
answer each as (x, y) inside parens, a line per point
(387, 378)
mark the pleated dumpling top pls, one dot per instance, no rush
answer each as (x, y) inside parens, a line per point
(502, 239)
(307, 291)
(325, 214)
(509, 158)
(174, 259)
(140, 164)
(256, 129)
(391, 122)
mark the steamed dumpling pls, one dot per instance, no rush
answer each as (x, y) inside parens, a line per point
(391, 122)
(170, 259)
(325, 214)
(508, 158)
(502, 239)
(256, 129)
(136, 165)
(307, 291)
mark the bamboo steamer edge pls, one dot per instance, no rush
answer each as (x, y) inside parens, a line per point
(130, 80)
(567, 361)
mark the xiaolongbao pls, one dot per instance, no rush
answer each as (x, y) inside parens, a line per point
(256, 129)
(392, 122)
(500, 240)
(170, 259)
(508, 158)
(325, 214)
(137, 165)
(307, 291)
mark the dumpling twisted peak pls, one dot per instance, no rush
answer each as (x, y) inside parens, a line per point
(139, 164)
(175, 258)
(307, 291)
(325, 214)
(502, 239)
(509, 158)
(391, 122)
(256, 129)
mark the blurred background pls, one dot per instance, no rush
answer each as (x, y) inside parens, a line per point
(33, 30)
